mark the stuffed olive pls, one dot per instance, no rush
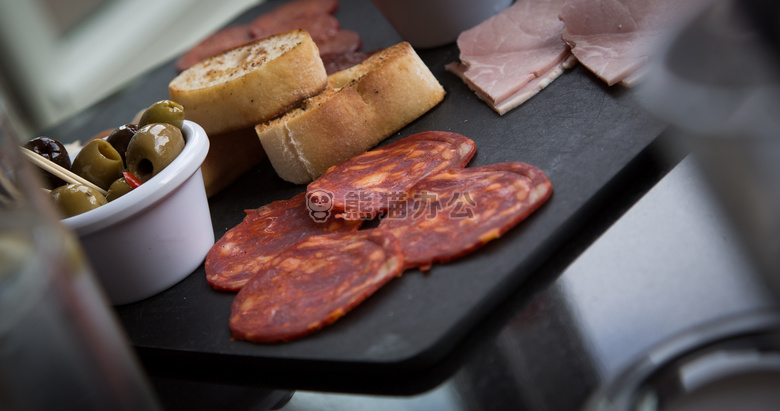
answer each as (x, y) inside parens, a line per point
(165, 111)
(74, 199)
(152, 148)
(99, 162)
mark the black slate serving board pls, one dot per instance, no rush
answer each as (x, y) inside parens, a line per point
(579, 131)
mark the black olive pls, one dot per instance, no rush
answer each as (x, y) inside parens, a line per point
(120, 137)
(53, 150)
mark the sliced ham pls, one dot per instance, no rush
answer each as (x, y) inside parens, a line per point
(535, 86)
(521, 46)
(615, 38)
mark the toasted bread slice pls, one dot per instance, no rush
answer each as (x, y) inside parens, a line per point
(250, 84)
(362, 106)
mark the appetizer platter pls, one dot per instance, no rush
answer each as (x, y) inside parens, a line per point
(581, 133)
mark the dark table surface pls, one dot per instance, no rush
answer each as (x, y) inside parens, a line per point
(536, 320)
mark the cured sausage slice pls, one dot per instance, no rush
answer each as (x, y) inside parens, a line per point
(265, 232)
(314, 16)
(313, 283)
(450, 214)
(319, 25)
(289, 15)
(341, 42)
(337, 62)
(222, 40)
(368, 184)
(304, 7)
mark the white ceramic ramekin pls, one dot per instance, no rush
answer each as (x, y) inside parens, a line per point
(157, 234)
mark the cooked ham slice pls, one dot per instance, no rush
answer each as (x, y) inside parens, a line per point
(635, 77)
(535, 86)
(615, 38)
(509, 57)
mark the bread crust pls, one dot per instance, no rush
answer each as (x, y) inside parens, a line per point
(364, 105)
(230, 155)
(250, 84)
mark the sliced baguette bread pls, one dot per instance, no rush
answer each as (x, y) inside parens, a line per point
(229, 93)
(362, 106)
(250, 84)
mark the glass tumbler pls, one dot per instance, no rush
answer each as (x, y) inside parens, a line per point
(61, 346)
(718, 84)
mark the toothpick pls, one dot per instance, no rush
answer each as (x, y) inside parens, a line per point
(59, 171)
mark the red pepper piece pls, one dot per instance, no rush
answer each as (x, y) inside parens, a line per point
(132, 180)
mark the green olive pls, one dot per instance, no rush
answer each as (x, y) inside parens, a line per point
(152, 148)
(99, 162)
(74, 199)
(165, 111)
(117, 189)
(120, 137)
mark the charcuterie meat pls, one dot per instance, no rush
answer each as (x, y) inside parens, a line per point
(319, 25)
(314, 16)
(313, 283)
(615, 39)
(225, 39)
(502, 58)
(366, 185)
(296, 7)
(265, 232)
(343, 41)
(449, 214)
(337, 62)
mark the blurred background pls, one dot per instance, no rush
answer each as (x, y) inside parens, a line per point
(60, 56)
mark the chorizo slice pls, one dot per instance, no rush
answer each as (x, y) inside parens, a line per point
(313, 283)
(364, 186)
(342, 61)
(318, 25)
(314, 16)
(222, 40)
(264, 232)
(341, 42)
(452, 213)
(305, 6)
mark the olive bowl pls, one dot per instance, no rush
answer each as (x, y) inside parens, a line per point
(151, 238)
